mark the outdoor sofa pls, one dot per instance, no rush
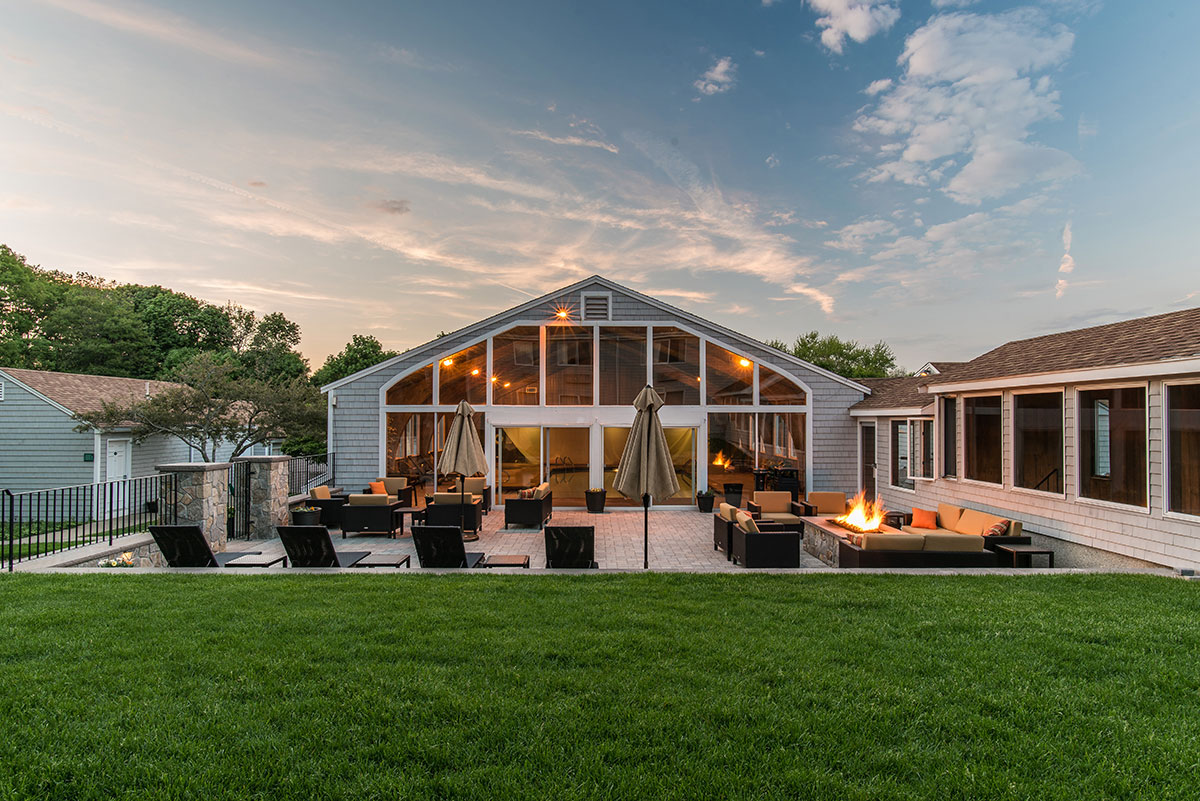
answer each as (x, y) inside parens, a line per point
(777, 506)
(959, 538)
(531, 512)
(395, 487)
(185, 546)
(764, 544)
(448, 509)
(371, 513)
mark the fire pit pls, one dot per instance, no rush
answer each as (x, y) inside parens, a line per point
(864, 517)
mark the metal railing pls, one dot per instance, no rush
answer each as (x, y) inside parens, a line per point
(45, 521)
(306, 472)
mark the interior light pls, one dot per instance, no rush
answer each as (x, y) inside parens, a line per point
(447, 362)
(475, 371)
(562, 312)
(744, 362)
(507, 384)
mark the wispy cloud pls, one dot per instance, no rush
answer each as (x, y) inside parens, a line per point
(575, 141)
(392, 206)
(719, 78)
(854, 236)
(1067, 264)
(856, 19)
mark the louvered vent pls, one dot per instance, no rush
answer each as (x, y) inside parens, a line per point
(1, 390)
(595, 307)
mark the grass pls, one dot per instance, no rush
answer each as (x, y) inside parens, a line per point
(622, 686)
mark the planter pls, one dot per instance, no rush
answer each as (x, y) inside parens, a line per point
(310, 517)
(733, 494)
(152, 507)
(595, 501)
(705, 502)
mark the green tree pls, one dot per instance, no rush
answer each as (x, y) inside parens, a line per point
(843, 356)
(359, 354)
(27, 295)
(97, 332)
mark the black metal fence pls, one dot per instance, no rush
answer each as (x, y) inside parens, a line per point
(238, 514)
(306, 472)
(47, 521)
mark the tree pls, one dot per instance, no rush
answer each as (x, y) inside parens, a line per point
(97, 332)
(843, 356)
(27, 295)
(215, 405)
(359, 354)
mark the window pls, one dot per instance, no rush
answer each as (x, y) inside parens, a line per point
(950, 437)
(731, 450)
(676, 366)
(569, 365)
(982, 439)
(410, 445)
(463, 376)
(622, 365)
(730, 377)
(920, 448)
(1112, 445)
(899, 440)
(781, 438)
(774, 389)
(1038, 441)
(413, 390)
(1183, 448)
(515, 371)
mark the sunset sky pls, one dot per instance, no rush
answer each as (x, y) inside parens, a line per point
(944, 175)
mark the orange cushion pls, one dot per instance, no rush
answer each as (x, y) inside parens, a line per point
(377, 488)
(924, 518)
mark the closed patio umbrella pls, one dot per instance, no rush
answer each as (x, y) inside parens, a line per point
(645, 469)
(462, 454)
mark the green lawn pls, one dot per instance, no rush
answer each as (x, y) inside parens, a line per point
(623, 686)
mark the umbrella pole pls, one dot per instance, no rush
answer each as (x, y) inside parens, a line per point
(646, 499)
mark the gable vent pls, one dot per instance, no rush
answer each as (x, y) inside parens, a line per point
(1, 390)
(595, 307)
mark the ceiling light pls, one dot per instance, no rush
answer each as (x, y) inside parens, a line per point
(447, 362)
(475, 371)
(744, 362)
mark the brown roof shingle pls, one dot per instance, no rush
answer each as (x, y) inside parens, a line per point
(1175, 335)
(895, 393)
(84, 393)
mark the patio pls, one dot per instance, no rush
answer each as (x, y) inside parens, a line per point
(679, 540)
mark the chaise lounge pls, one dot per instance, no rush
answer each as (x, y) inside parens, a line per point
(185, 546)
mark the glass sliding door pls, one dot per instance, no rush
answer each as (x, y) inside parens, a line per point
(681, 442)
(567, 462)
(518, 460)
(615, 438)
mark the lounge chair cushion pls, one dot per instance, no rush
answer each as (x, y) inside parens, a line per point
(891, 542)
(773, 501)
(924, 518)
(320, 493)
(392, 484)
(781, 517)
(368, 500)
(746, 523)
(952, 542)
(728, 512)
(948, 515)
(828, 503)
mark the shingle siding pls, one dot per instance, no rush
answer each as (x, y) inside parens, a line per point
(39, 447)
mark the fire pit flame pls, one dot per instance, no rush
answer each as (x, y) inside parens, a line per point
(722, 460)
(864, 516)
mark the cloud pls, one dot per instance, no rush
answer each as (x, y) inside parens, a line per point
(953, 3)
(412, 59)
(1085, 128)
(258, 184)
(820, 297)
(169, 29)
(875, 87)
(971, 94)
(856, 19)
(1060, 288)
(772, 161)
(576, 141)
(854, 237)
(392, 206)
(720, 78)
(760, 53)
(1067, 264)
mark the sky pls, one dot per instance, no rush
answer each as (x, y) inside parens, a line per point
(943, 175)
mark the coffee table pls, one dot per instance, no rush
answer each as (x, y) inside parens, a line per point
(1026, 551)
(507, 560)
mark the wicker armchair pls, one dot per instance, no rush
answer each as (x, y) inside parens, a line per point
(448, 509)
(532, 512)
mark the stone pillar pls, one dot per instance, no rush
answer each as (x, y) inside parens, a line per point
(203, 497)
(268, 494)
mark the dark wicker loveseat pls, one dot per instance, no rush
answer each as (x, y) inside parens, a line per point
(530, 512)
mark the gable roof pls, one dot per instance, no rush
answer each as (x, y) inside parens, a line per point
(77, 394)
(604, 283)
(903, 392)
(1146, 340)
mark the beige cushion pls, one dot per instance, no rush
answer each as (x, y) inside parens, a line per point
(320, 493)
(948, 515)
(452, 497)
(891, 542)
(781, 517)
(746, 523)
(394, 484)
(542, 490)
(952, 542)
(924, 531)
(369, 500)
(475, 486)
(774, 501)
(828, 503)
(728, 512)
(972, 522)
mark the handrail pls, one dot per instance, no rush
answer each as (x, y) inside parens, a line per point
(1046, 478)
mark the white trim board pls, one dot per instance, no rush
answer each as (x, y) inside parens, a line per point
(1142, 370)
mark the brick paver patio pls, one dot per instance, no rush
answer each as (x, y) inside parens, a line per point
(679, 540)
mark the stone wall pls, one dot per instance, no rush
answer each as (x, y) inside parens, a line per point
(203, 498)
(268, 494)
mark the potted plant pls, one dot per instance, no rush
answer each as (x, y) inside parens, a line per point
(306, 516)
(704, 499)
(595, 500)
(229, 521)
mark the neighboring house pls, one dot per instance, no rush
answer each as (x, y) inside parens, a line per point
(40, 448)
(553, 380)
(1089, 437)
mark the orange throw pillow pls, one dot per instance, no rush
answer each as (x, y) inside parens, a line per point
(377, 488)
(923, 518)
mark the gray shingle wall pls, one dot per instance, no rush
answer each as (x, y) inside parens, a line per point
(1151, 536)
(355, 423)
(38, 446)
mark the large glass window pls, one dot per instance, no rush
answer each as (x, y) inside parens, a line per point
(950, 437)
(899, 442)
(1183, 448)
(444, 421)
(518, 459)
(622, 364)
(410, 446)
(781, 438)
(1038, 441)
(775, 390)
(677, 366)
(730, 378)
(515, 366)
(1112, 445)
(920, 448)
(982, 438)
(463, 376)
(568, 365)
(414, 389)
(731, 451)
(567, 453)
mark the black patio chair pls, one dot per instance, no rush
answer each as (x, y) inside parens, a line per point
(185, 546)
(442, 546)
(310, 546)
(571, 547)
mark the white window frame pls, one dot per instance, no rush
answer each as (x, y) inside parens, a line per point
(962, 438)
(939, 457)
(1126, 507)
(913, 423)
(1012, 439)
(1166, 449)
(892, 456)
